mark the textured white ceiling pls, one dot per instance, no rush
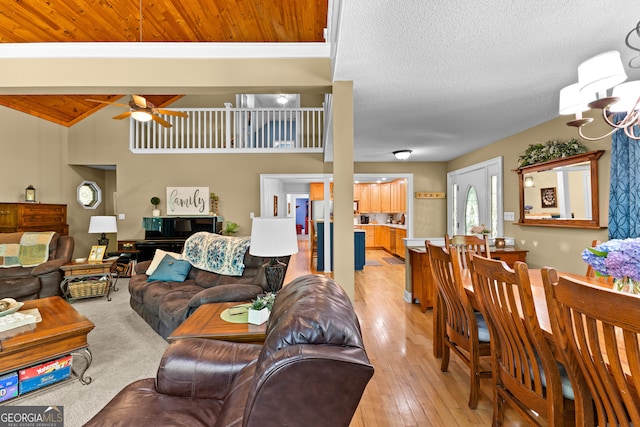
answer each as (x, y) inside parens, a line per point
(445, 78)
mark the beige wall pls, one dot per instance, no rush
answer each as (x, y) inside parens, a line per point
(551, 246)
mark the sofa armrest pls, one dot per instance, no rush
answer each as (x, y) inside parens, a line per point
(141, 267)
(223, 293)
(203, 369)
(48, 267)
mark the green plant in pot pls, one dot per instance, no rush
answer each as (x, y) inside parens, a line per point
(155, 201)
(261, 308)
(229, 228)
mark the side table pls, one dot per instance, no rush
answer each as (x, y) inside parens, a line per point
(88, 280)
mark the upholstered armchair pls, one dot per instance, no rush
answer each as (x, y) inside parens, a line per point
(311, 371)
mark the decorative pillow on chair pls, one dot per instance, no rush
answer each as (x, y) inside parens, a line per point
(171, 270)
(158, 256)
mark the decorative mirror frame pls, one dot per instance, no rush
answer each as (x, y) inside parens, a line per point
(81, 197)
(591, 157)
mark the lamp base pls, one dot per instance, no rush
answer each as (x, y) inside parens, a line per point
(274, 272)
(103, 241)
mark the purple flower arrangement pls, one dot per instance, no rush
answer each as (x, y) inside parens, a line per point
(617, 258)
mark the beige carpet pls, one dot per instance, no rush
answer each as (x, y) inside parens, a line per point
(124, 349)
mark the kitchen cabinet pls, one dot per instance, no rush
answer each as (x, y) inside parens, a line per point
(33, 217)
(401, 233)
(385, 234)
(316, 191)
(357, 189)
(398, 197)
(365, 198)
(385, 197)
(374, 190)
(378, 235)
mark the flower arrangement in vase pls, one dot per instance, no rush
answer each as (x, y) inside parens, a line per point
(619, 259)
(260, 308)
(481, 230)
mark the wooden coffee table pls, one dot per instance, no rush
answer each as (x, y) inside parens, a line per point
(207, 323)
(62, 331)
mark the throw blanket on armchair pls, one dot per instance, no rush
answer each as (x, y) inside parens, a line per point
(26, 249)
(215, 253)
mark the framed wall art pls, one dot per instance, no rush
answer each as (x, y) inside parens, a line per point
(548, 197)
(188, 200)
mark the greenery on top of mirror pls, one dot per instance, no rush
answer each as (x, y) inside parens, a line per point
(550, 150)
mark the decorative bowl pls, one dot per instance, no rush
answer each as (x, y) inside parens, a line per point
(13, 306)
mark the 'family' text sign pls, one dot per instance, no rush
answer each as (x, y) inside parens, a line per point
(187, 200)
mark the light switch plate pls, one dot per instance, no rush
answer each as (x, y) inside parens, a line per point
(509, 216)
(120, 216)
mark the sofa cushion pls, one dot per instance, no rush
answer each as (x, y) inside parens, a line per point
(157, 259)
(215, 253)
(171, 270)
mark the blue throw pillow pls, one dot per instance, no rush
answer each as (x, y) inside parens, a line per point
(170, 270)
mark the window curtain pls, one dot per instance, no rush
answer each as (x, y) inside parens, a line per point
(624, 191)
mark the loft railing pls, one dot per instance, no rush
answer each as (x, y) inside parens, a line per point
(232, 130)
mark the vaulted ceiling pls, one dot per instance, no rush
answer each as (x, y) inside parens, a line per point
(148, 21)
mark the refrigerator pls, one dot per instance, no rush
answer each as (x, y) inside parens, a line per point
(317, 209)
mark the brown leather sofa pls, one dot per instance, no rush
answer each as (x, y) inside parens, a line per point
(165, 305)
(311, 371)
(41, 281)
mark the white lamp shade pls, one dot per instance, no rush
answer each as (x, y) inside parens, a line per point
(273, 237)
(600, 73)
(103, 224)
(571, 101)
(628, 93)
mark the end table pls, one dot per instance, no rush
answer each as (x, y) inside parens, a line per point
(89, 280)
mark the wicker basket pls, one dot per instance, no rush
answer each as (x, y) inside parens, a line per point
(88, 288)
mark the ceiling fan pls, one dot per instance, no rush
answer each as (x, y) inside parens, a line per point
(143, 111)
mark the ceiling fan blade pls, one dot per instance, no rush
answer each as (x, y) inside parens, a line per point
(122, 116)
(171, 113)
(107, 102)
(160, 121)
(140, 101)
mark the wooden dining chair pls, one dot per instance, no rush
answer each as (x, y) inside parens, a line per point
(313, 239)
(601, 328)
(464, 331)
(526, 375)
(590, 271)
(463, 244)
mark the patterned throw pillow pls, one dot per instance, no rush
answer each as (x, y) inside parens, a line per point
(218, 254)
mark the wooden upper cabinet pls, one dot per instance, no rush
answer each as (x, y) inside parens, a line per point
(316, 191)
(365, 198)
(398, 195)
(357, 189)
(385, 197)
(375, 198)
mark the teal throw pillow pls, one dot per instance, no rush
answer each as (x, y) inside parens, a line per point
(170, 270)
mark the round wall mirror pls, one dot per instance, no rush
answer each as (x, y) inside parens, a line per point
(89, 195)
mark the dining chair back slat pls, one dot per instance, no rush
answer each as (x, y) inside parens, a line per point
(461, 333)
(525, 372)
(464, 244)
(601, 328)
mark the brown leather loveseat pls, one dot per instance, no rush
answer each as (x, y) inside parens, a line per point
(311, 371)
(41, 281)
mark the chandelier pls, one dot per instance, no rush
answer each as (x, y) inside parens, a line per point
(596, 76)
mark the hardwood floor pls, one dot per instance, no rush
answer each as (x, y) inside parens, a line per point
(407, 388)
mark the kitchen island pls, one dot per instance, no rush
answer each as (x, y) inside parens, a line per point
(359, 246)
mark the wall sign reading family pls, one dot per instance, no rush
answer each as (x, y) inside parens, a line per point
(187, 200)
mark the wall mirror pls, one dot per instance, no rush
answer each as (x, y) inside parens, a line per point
(561, 192)
(89, 195)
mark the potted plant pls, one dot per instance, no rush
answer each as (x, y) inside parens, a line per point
(155, 201)
(261, 308)
(230, 228)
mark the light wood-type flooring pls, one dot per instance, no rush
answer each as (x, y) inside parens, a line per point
(407, 388)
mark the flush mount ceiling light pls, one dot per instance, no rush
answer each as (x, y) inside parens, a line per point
(595, 77)
(402, 154)
(282, 99)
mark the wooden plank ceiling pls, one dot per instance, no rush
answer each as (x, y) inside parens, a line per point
(148, 21)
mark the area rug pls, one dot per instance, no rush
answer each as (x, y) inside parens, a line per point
(392, 260)
(124, 349)
(372, 262)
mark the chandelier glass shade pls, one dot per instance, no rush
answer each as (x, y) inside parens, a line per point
(596, 77)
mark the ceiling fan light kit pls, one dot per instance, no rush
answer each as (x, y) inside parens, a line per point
(596, 76)
(143, 111)
(402, 154)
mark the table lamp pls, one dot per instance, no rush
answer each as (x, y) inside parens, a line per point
(103, 224)
(273, 238)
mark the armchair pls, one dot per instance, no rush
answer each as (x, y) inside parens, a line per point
(311, 371)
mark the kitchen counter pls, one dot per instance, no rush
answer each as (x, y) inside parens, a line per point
(402, 226)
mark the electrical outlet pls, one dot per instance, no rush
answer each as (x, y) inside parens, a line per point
(251, 215)
(509, 216)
